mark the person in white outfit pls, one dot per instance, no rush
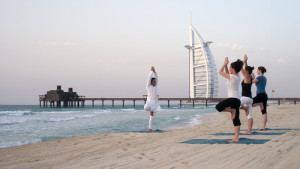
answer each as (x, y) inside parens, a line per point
(246, 99)
(152, 104)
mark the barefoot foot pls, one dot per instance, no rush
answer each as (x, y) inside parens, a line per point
(234, 141)
(248, 132)
(150, 130)
(262, 129)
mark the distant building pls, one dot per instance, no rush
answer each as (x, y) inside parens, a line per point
(57, 96)
(203, 76)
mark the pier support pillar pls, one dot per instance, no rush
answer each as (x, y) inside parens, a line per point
(168, 103)
(133, 103)
(113, 104)
(44, 103)
(93, 103)
(40, 104)
(206, 103)
(295, 101)
(193, 103)
(180, 103)
(102, 103)
(78, 103)
(278, 101)
(123, 103)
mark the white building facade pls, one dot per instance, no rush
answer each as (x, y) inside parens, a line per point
(203, 72)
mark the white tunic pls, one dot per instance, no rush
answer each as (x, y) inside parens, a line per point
(233, 86)
(152, 93)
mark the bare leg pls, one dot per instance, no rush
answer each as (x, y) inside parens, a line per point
(150, 122)
(250, 121)
(261, 105)
(236, 134)
(232, 111)
(264, 122)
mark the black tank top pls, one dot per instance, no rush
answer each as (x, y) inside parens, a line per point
(246, 89)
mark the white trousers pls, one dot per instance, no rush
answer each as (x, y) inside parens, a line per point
(247, 101)
(151, 119)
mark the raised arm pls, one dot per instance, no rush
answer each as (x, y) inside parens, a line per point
(221, 72)
(152, 72)
(149, 79)
(226, 69)
(246, 76)
(245, 60)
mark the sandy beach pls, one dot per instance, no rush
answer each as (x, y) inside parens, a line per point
(201, 146)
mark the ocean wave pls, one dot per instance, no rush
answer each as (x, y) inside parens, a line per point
(67, 118)
(19, 143)
(57, 112)
(195, 120)
(14, 113)
(43, 120)
(176, 118)
(11, 121)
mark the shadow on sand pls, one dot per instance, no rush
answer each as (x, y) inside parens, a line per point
(154, 131)
(253, 133)
(279, 129)
(225, 141)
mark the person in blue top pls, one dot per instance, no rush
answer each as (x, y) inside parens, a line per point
(261, 97)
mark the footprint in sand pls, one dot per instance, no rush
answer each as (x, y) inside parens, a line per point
(185, 162)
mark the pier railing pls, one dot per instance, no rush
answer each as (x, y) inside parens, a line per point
(80, 102)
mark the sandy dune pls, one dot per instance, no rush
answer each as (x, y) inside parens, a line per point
(202, 146)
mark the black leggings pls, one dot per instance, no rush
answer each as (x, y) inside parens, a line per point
(261, 97)
(232, 103)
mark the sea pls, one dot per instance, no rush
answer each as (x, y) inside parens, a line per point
(25, 124)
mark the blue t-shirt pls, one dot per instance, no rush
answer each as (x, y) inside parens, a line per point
(261, 84)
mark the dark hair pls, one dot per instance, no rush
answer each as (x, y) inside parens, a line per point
(262, 69)
(237, 65)
(249, 69)
(152, 79)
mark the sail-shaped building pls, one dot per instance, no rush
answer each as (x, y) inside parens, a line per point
(203, 72)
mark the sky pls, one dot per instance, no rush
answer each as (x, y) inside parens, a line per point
(106, 48)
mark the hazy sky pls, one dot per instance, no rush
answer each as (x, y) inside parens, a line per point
(106, 48)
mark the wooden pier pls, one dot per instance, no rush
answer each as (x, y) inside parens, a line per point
(80, 101)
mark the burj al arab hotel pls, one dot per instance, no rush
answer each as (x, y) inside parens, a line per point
(203, 81)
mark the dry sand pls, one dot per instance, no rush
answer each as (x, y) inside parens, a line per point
(277, 147)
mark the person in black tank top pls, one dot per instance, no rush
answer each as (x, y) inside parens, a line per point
(246, 88)
(246, 99)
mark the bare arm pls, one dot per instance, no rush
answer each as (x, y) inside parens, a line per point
(221, 72)
(246, 77)
(155, 75)
(245, 61)
(226, 69)
(254, 79)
